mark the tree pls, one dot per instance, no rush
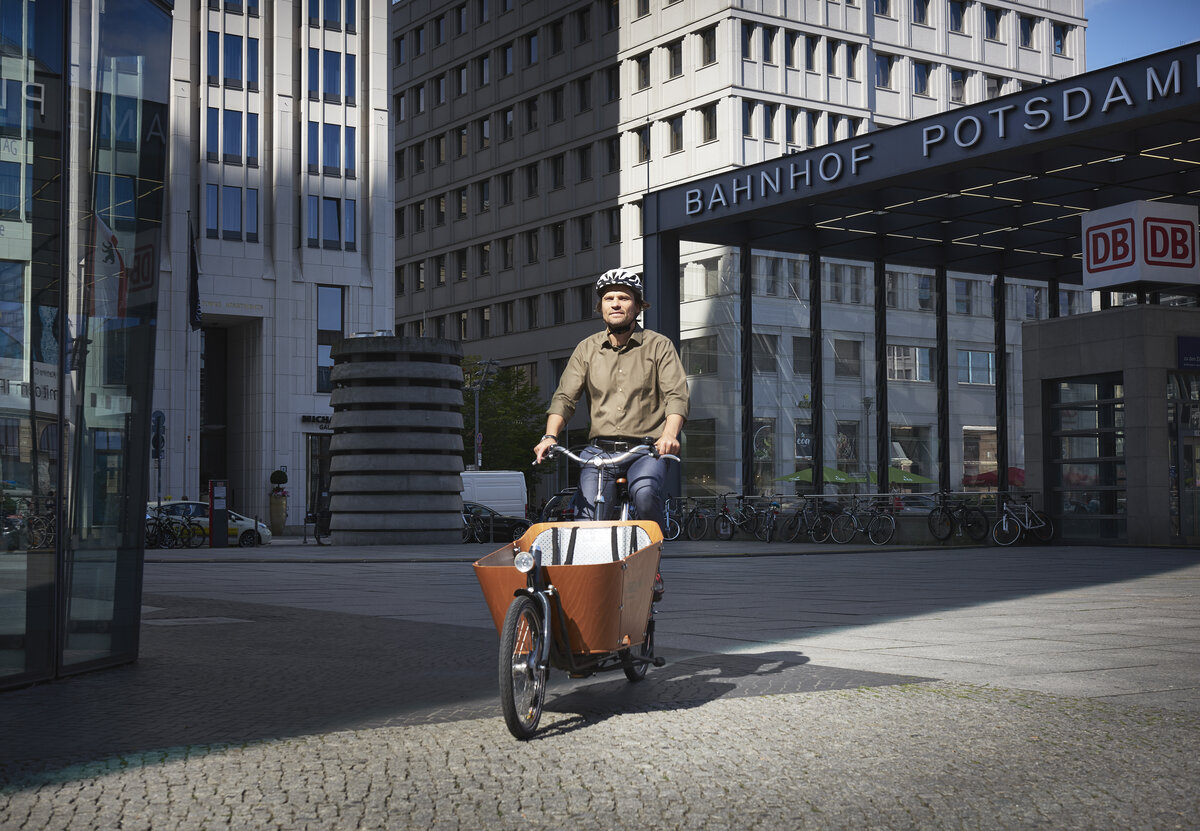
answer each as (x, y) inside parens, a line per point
(512, 418)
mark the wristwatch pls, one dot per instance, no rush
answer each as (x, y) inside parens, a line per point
(549, 436)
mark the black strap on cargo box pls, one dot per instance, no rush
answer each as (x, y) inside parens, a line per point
(570, 558)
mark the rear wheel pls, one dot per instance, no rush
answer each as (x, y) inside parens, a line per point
(843, 528)
(522, 683)
(881, 528)
(975, 523)
(941, 523)
(791, 527)
(1006, 531)
(697, 526)
(249, 539)
(673, 528)
(1045, 531)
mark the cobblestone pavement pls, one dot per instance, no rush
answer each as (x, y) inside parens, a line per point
(1052, 688)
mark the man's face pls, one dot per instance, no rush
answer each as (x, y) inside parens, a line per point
(619, 307)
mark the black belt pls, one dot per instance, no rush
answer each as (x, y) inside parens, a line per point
(616, 444)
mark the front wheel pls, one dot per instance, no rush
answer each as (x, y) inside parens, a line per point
(881, 528)
(975, 523)
(821, 528)
(636, 670)
(697, 526)
(941, 523)
(1045, 531)
(791, 528)
(1006, 531)
(843, 528)
(249, 539)
(522, 682)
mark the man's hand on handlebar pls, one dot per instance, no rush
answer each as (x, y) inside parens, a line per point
(542, 448)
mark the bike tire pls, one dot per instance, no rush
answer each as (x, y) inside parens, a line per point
(198, 536)
(881, 529)
(697, 527)
(975, 523)
(821, 528)
(673, 529)
(1006, 531)
(764, 529)
(791, 528)
(941, 523)
(1045, 532)
(843, 529)
(522, 684)
(636, 670)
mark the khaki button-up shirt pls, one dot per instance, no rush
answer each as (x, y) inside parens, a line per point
(631, 389)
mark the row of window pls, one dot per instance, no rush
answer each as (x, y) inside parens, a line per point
(924, 71)
(231, 212)
(435, 31)
(238, 67)
(509, 316)
(701, 356)
(332, 14)
(532, 246)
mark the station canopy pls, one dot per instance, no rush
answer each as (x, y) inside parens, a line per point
(995, 187)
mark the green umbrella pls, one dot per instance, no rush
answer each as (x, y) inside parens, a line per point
(896, 476)
(832, 476)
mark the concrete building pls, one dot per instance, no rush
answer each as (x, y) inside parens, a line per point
(280, 151)
(528, 133)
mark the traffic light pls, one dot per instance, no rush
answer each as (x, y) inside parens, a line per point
(158, 434)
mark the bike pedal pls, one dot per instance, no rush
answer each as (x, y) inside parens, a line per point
(660, 662)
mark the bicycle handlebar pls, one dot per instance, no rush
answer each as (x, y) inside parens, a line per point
(607, 461)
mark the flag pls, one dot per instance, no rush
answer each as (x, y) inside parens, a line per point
(194, 315)
(109, 280)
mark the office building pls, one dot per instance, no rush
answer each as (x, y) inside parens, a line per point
(527, 135)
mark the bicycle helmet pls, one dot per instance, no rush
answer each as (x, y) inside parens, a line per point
(622, 277)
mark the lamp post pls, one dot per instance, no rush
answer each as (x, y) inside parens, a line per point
(476, 386)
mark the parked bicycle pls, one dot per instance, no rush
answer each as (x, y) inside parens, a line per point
(698, 520)
(1016, 520)
(768, 523)
(951, 515)
(744, 518)
(809, 518)
(674, 509)
(875, 521)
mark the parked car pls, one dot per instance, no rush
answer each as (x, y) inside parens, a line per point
(496, 527)
(560, 507)
(242, 529)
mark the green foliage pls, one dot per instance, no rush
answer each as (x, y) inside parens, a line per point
(512, 418)
(278, 477)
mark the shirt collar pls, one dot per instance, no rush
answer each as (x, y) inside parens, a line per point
(635, 338)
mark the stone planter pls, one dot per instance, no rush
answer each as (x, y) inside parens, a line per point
(278, 513)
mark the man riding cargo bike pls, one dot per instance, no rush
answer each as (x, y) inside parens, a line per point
(580, 596)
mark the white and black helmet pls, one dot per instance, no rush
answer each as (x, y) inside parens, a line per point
(621, 277)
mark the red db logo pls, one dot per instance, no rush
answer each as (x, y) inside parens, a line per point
(1110, 246)
(1170, 242)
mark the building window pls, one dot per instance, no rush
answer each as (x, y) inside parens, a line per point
(883, 7)
(964, 291)
(883, 71)
(506, 188)
(583, 159)
(958, 85)
(769, 34)
(801, 355)
(1059, 33)
(699, 355)
(613, 147)
(763, 350)
(461, 202)
(252, 139)
(847, 358)
(642, 135)
(312, 220)
(957, 15)
(331, 146)
(333, 77)
(992, 86)
(233, 61)
(708, 117)
(485, 258)
(921, 72)
(584, 224)
(1025, 29)
(531, 115)
(507, 254)
(583, 25)
(558, 239)
(555, 97)
(506, 60)
(642, 62)
(992, 20)
(675, 123)
(708, 46)
(976, 367)
(330, 326)
(675, 59)
(507, 117)
(612, 80)
(531, 49)
(557, 172)
(483, 129)
(231, 212)
(331, 223)
(231, 142)
(748, 107)
(909, 363)
(212, 211)
(583, 94)
(532, 185)
(921, 11)
(557, 40)
(483, 197)
(747, 41)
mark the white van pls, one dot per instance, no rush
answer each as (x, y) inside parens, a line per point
(501, 490)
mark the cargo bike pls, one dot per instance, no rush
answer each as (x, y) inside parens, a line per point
(575, 596)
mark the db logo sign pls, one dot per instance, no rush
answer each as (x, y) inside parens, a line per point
(1110, 246)
(1169, 242)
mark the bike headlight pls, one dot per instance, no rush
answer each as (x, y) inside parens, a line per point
(523, 561)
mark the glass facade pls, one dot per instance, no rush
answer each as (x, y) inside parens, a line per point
(82, 156)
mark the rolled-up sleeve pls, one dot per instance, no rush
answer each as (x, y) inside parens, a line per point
(672, 380)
